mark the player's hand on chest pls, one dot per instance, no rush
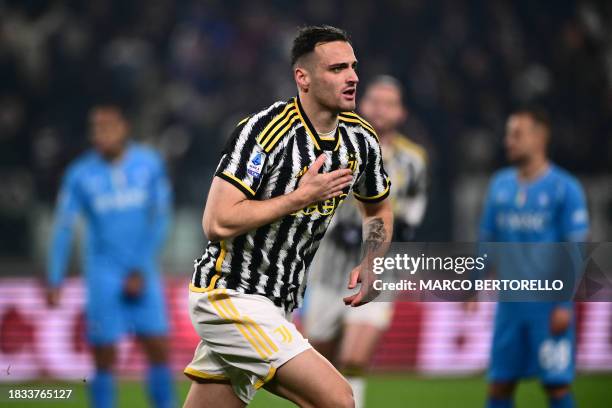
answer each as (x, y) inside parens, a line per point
(294, 160)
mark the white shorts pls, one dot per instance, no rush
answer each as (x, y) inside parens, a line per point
(326, 313)
(244, 339)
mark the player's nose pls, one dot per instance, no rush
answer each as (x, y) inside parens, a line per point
(352, 78)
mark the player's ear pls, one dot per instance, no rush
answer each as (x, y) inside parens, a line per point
(302, 78)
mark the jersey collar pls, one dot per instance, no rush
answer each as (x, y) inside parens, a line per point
(540, 177)
(320, 144)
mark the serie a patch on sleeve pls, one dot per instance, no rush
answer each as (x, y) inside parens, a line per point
(256, 164)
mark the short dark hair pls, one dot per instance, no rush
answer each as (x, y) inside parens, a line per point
(538, 114)
(308, 37)
(110, 103)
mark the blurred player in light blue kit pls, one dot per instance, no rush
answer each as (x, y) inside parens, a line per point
(533, 201)
(121, 190)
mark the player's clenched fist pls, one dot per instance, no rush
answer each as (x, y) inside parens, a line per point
(317, 187)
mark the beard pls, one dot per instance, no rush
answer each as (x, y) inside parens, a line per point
(331, 101)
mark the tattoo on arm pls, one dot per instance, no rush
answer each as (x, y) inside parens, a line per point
(375, 233)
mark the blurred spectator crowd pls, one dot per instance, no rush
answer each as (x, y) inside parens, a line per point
(189, 70)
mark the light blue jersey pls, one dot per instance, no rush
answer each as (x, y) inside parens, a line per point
(126, 208)
(550, 209)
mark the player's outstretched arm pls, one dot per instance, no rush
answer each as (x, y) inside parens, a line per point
(229, 212)
(377, 233)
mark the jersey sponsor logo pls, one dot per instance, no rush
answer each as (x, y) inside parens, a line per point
(325, 208)
(533, 221)
(121, 200)
(255, 164)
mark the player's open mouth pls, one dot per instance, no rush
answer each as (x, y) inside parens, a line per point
(349, 93)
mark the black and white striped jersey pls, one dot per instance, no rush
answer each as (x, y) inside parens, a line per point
(265, 158)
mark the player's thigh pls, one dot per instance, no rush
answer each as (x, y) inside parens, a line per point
(210, 394)
(309, 380)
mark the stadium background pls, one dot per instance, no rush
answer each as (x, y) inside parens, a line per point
(189, 70)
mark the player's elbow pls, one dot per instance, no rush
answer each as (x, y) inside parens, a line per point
(211, 229)
(221, 222)
(216, 234)
(216, 231)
